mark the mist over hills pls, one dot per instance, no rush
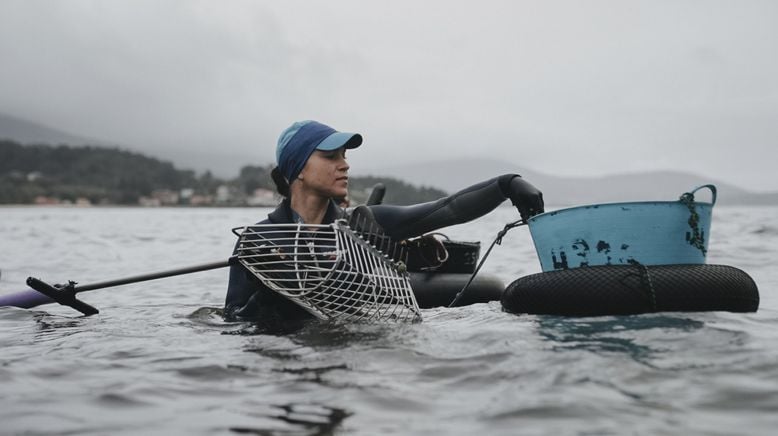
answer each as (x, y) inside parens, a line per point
(451, 175)
(29, 132)
(214, 160)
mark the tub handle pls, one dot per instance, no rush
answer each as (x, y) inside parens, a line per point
(712, 191)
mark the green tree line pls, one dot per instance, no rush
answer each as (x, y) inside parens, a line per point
(106, 175)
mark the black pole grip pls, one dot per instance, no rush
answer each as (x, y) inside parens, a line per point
(65, 296)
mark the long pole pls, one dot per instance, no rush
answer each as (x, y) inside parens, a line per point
(45, 293)
(153, 276)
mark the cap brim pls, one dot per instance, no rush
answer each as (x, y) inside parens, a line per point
(340, 139)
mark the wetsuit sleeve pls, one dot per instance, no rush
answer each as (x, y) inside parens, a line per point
(240, 290)
(402, 222)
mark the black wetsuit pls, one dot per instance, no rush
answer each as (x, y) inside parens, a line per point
(248, 298)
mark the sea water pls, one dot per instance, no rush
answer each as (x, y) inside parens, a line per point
(159, 359)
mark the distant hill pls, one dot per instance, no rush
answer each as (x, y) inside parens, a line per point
(452, 175)
(46, 174)
(28, 132)
(97, 174)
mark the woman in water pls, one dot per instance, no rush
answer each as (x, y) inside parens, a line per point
(312, 171)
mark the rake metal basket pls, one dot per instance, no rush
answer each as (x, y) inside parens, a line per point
(331, 271)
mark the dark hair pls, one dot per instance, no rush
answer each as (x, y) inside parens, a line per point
(282, 186)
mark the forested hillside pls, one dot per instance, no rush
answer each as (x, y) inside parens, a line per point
(99, 175)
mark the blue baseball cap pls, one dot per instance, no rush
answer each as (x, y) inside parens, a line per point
(298, 141)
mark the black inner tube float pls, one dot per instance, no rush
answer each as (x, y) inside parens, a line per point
(632, 289)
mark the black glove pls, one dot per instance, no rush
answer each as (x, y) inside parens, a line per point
(527, 198)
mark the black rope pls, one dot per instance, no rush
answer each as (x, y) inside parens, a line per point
(497, 241)
(648, 285)
(697, 238)
(645, 283)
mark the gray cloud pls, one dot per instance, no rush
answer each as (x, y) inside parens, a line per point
(565, 87)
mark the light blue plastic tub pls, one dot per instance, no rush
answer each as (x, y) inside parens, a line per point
(648, 233)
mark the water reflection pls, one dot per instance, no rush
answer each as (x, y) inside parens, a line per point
(299, 419)
(619, 334)
(313, 374)
(269, 327)
(335, 335)
(51, 327)
(317, 333)
(210, 317)
(311, 336)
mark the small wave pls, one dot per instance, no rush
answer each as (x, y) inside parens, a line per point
(119, 401)
(765, 230)
(213, 372)
(299, 419)
(312, 373)
(206, 314)
(10, 313)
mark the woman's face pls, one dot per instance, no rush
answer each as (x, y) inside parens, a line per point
(326, 173)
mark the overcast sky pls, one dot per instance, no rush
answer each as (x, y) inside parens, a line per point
(560, 87)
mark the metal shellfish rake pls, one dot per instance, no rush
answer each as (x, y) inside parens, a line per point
(331, 271)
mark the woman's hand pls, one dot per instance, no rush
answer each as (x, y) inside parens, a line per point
(527, 198)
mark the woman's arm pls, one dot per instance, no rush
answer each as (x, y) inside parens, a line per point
(402, 222)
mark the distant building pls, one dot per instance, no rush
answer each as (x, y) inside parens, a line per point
(149, 202)
(159, 197)
(201, 200)
(83, 202)
(166, 197)
(262, 197)
(185, 194)
(223, 194)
